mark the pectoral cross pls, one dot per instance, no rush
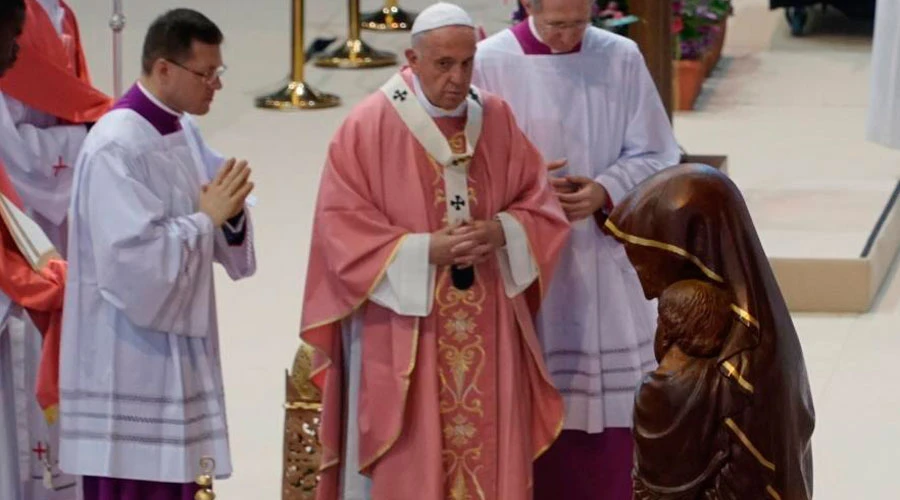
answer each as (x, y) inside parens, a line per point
(458, 202)
(59, 166)
(40, 450)
(462, 160)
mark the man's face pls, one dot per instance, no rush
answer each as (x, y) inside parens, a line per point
(192, 84)
(443, 60)
(561, 23)
(10, 30)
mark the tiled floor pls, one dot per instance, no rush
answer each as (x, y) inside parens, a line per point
(789, 113)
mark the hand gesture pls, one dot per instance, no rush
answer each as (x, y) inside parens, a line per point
(482, 239)
(560, 184)
(466, 244)
(224, 197)
(585, 198)
(556, 165)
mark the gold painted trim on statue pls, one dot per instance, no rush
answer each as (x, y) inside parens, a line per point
(742, 313)
(733, 373)
(748, 444)
(637, 240)
(745, 316)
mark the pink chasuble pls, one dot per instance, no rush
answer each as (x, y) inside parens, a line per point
(457, 404)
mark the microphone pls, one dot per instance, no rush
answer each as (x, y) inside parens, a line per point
(462, 277)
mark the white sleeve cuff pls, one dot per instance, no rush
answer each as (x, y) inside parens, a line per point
(517, 266)
(408, 285)
(238, 226)
(613, 187)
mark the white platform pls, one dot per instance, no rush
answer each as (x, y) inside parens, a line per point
(831, 244)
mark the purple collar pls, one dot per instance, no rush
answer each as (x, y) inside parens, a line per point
(162, 120)
(530, 43)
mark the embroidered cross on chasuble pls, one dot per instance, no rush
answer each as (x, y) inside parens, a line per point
(465, 315)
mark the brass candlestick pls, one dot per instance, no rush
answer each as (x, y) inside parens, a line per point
(355, 53)
(390, 18)
(297, 94)
(205, 479)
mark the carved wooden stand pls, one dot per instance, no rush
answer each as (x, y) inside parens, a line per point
(302, 415)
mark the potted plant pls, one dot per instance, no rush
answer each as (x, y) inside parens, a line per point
(612, 16)
(699, 27)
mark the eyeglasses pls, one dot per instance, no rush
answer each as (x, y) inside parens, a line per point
(208, 78)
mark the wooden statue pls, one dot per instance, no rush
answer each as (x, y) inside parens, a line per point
(728, 414)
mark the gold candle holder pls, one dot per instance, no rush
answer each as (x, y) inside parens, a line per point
(205, 479)
(390, 18)
(355, 53)
(297, 94)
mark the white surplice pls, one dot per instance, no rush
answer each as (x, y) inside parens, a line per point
(10, 462)
(883, 125)
(141, 383)
(39, 151)
(408, 285)
(34, 147)
(599, 109)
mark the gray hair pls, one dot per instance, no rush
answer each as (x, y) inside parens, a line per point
(537, 5)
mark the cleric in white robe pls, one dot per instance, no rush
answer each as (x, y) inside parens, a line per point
(152, 209)
(46, 102)
(585, 96)
(884, 101)
(46, 105)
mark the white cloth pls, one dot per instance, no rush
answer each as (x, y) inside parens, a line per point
(441, 15)
(599, 109)
(38, 152)
(28, 444)
(407, 288)
(32, 456)
(10, 466)
(884, 102)
(32, 143)
(141, 383)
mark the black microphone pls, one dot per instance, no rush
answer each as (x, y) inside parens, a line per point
(462, 277)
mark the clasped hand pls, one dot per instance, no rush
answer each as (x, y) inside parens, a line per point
(466, 244)
(224, 197)
(579, 196)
